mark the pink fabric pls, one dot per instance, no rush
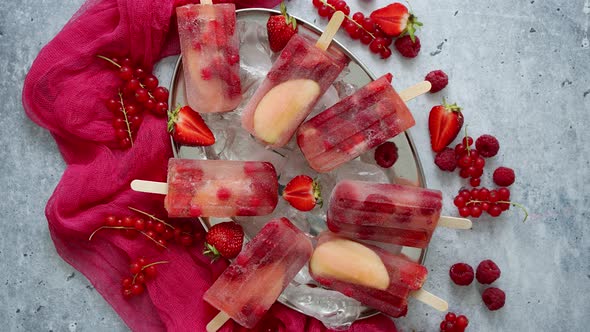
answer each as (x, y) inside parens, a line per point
(65, 92)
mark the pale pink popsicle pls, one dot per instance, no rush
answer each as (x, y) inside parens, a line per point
(364, 120)
(369, 274)
(298, 78)
(220, 188)
(260, 273)
(210, 56)
(391, 213)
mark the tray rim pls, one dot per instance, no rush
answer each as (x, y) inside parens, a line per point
(421, 177)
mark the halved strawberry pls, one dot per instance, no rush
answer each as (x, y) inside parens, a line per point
(188, 128)
(444, 123)
(303, 193)
(280, 29)
(225, 240)
(395, 20)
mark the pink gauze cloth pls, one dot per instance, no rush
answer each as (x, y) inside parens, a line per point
(65, 92)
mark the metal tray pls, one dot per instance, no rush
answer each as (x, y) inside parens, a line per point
(407, 169)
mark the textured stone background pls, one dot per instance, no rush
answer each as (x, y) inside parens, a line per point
(520, 69)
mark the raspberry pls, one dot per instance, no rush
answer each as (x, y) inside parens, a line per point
(503, 176)
(386, 154)
(406, 47)
(494, 298)
(461, 274)
(445, 160)
(487, 272)
(487, 145)
(438, 79)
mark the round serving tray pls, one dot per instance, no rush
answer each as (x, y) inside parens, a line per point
(234, 143)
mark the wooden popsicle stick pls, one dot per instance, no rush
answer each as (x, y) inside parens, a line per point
(415, 91)
(454, 222)
(206, 2)
(333, 26)
(430, 299)
(217, 322)
(150, 187)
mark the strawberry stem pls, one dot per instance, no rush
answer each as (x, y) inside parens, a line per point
(109, 60)
(150, 216)
(126, 118)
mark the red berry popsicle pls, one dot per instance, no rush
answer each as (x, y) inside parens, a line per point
(299, 77)
(362, 121)
(260, 273)
(369, 274)
(216, 188)
(210, 56)
(390, 213)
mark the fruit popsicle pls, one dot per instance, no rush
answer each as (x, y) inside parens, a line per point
(299, 77)
(371, 275)
(383, 212)
(253, 282)
(210, 56)
(220, 188)
(359, 122)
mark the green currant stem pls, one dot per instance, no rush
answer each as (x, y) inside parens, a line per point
(146, 266)
(126, 118)
(518, 205)
(109, 60)
(107, 227)
(150, 216)
(350, 19)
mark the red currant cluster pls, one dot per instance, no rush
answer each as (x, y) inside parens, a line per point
(358, 26)
(139, 91)
(454, 323)
(141, 272)
(470, 162)
(475, 201)
(157, 230)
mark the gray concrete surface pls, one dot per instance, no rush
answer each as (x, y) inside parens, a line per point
(520, 69)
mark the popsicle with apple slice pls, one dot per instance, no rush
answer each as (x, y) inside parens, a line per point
(299, 77)
(371, 275)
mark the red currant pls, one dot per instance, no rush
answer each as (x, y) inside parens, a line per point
(450, 317)
(504, 194)
(368, 24)
(460, 150)
(150, 82)
(186, 240)
(132, 84)
(125, 73)
(125, 143)
(127, 282)
(127, 293)
(465, 194)
(119, 123)
(112, 105)
(111, 221)
(494, 210)
(140, 278)
(341, 6)
(459, 201)
(151, 234)
(161, 109)
(141, 95)
(168, 234)
(317, 3)
(135, 268)
(483, 194)
(479, 162)
(149, 225)
(150, 271)
(137, 289)
(385, 52)
(366, 37)
(493, 196)
(126, 62)
(485, 206)
(161, 94)
(464, 212)
(464, 173)
(476, 211)
(139, 224)
(159, 228)
(358, 17)
(475, 182)
(140, 73)
(150, 105)
(376, 46)
(464, 162)
(461, 322)
(324, 11)
(467, 141)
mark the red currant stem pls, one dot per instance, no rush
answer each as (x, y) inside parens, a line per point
(107, 227)
(109, 60)
(150, 215)
(349, 18)
(154, 240)
(126, 118)
(145, 267)
(466, 141)
(148, 91)
(518, 205)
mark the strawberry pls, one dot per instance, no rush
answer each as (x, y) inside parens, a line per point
(395, 20)
(280, 29)
(303, 193)
(225, 240)
(188, 128)
(444, 123)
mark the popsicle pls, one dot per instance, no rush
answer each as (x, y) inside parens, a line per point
(359, 122)
(369, 274)
(298, 78)
(209, 44)
(216, 188)
(260, 273)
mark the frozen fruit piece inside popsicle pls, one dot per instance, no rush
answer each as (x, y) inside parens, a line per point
(298, 78)
(210, 56)
(362, 121)
(392, 213)
(253, 282)
(348, 266)
(220, 188)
